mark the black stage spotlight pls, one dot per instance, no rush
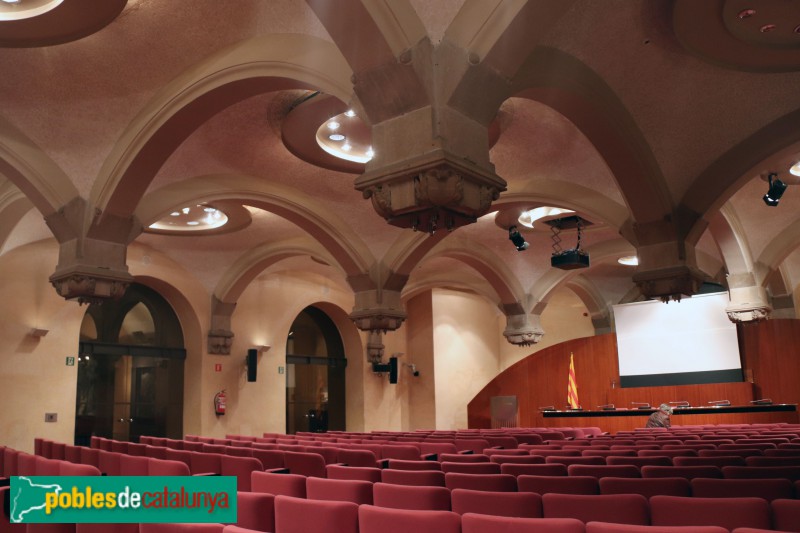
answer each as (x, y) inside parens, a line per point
(517, 238)
(776, 190)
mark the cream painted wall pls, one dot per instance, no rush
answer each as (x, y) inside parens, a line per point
(562, 320)
(34, 377)
(385, 405)
(466, 347)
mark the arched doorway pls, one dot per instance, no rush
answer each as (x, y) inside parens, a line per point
(130, 369)
(315, 374)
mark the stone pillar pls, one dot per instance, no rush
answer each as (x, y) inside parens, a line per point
(220, 336)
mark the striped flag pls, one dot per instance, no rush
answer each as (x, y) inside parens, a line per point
(572, 387)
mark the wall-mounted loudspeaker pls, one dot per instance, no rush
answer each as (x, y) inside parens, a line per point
(390, 367)
(252, 364)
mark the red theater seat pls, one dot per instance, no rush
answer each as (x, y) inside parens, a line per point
(729, 513)
(362, 473)
(373, 519)
(603, 527)
(514, 469)
(411, 497)
(341, 490)
(558, 484)
(786, 515)
(471, 468)
(425, 478)
(599, 471)
(297, 515)
(477, 523)
(670, 486)
(616, 508)
(519, 504)
(490, 482)
(769, 489)
(278, 484)
(255, 511)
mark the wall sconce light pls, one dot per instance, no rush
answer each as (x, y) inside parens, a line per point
(38, 332)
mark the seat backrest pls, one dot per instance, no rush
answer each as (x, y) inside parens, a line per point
(362, 473)
(559, 484)
(133, 465)
(479, 523)
(769, 489)
(647, 487)
(400, 464)
(729, 513)
(575, 460)
(255, 511)
(476, 445)
(269, 458)
(420, 498)
(514, 469)
(429, 447)
(298, 515)
(605, 527)
(616, 508)
(757, 460)
(490, 482)
(374, 519)
(470, 468)
(90, 456)
(206, 463)
(342, 490)
(688, 472)
(599, 471)
(423, 478)
(408, 452)
(241, 467)
(658, 460)
(164, 467)
(179, 455)
(729, 460)
(762, 472)
(305, 464)
(71, 469)
(285, 484)
(463, 458)
(526, 459)
(109, 463)
(72, 453)
(521, 504)
(786, 515)
(156, 452)
(355, 457)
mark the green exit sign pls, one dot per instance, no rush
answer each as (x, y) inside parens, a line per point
(70, 361)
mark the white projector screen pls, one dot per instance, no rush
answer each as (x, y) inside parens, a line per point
(680, 343)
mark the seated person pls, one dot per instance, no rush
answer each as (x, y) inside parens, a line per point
(660, 419)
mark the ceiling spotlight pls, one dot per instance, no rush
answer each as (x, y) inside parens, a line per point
(516, 237)
(795, 169)
(336, 137)
(776, 190)
(333, 125)
(350, 113)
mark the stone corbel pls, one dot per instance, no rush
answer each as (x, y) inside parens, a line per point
(523, 329)
(375, 346)
(220, 336)
(378, 310)
(748, 303)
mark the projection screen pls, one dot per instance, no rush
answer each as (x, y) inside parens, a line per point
(680, 343)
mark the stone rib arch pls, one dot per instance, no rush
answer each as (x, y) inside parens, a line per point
(259, 65)
(593, 300)
(496, 273)
(32, 171)
(249, 265)
(748, 298)
(736, 167)
(13, 206)
(543, 288)
(776, 252)
(341, 242)
(474, 284)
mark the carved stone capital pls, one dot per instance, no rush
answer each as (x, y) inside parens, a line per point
(670, 283)
(430, 192)
(220, 342)
(753, 314)
(90, 287)
(748, 304)
(375, 346)
(523, 329)
(378, 310)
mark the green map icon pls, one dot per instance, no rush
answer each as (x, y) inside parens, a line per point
(29, 497)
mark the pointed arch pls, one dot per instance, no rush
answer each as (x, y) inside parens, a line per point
(34, 173)
(260, 65)
(249, 265)
(341, 242)
(588, 294)
(482, 260)
(727, 231)
(439, 280)
(776, 252)
(13, 206)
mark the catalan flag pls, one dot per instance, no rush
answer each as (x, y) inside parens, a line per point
(572, 387)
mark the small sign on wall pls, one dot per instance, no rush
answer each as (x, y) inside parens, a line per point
(70, 361)
(280, 370)
(218, 367)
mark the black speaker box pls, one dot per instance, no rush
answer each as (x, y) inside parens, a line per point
(252, 364)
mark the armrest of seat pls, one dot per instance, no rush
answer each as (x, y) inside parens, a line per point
(277, 470)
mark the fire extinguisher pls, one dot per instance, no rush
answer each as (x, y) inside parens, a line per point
(219, 403)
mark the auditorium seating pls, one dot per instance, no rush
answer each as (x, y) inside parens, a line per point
(477, 523)
(616, 508)
(420, 498)
(729, 513)
(298, 515)
(519, 504)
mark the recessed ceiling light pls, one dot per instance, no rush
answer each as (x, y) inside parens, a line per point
(193, 223)
(11, 1)
(527, 218)
(336, 137)
(199, 217)
(370, 152)
(346, 147)
(350, 113)
(628, 260)
(795, 169)
(333, 125)
(175, 214)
